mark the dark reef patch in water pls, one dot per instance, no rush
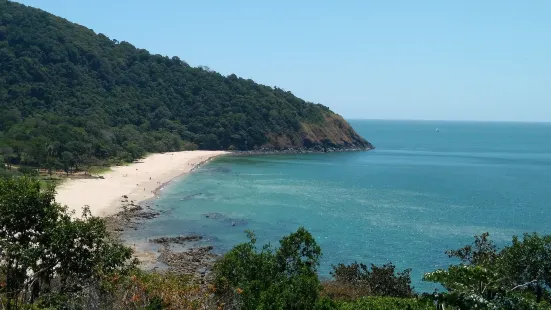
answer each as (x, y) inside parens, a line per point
(214, 216)
(226, 220)
(190, 197)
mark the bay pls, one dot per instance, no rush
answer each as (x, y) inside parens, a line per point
(421, 192)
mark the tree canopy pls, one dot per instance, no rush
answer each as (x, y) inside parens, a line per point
(44, 251)
(515, 277)
(285, 278)
(69, 96)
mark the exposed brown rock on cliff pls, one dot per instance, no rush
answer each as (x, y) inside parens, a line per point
(333, 134)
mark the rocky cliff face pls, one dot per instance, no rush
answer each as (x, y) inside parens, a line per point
(332, 134)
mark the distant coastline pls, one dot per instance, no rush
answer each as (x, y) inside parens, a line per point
(317, 150)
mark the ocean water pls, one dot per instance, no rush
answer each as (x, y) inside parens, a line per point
(418, 194)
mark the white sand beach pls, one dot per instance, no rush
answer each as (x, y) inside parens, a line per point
(138, 181)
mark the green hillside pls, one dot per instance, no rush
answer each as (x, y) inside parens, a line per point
(69, 94)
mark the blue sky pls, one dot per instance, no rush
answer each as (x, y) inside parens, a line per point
(452, 60)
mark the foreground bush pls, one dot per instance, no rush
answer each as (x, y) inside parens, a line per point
(358, 280)
(387, 303)
(517, 277)
(152, 290)
(46, 255)
(286, 278)
(283, 278)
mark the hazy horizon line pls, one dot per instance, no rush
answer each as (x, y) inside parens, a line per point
(447, 120)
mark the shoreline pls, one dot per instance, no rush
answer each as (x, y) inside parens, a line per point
(295, 151)
(104, 194)
(137, 182)
(127, 212)
(195, 166)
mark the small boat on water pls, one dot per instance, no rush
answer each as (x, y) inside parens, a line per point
(437, 130)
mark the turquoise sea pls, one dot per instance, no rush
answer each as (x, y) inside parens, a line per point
(420, 193)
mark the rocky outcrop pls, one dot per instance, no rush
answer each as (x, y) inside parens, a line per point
(333, 134)
(176, 240)
(196, 262)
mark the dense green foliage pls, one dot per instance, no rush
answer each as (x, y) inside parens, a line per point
(5, 172)
(516, 277)
(44, 252)
(356, 280)
(69, 96)
(284, 278)
(387, 303)
(51, 260)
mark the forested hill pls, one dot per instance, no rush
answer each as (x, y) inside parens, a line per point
(67, 93)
